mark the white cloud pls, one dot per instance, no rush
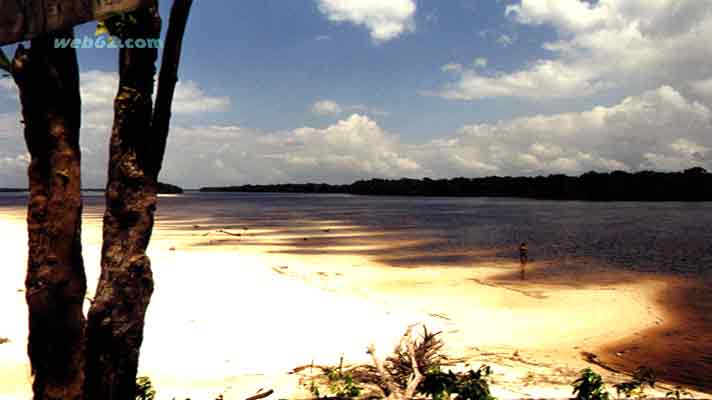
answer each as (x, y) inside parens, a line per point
(452, 67)
(657, 129)
(601, 45)
(6, 83)
(326, 107)
(506, 40)
(662, 129)
(99, 88)
(190, 99)
(13, 153)
(542, 80)
(363, 109)
(666, 128)
(480, 62)
(353, 148)
(385, 19)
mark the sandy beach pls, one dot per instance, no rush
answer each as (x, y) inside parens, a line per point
(233, 312)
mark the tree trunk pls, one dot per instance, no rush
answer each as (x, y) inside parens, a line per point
(116, 318)
(71, 358)
(48, 82)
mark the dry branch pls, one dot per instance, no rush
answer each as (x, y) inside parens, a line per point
(261, 395)
(396, 391)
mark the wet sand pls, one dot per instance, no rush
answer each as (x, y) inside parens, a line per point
(236, 309)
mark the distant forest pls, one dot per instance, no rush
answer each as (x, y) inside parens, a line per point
(694, 184)
(163, 188)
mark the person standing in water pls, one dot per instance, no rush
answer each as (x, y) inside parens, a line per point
(523, 257)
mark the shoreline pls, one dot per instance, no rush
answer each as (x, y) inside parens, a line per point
(229, 318)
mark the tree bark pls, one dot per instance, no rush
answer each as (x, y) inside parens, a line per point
(73, 358)
(48, 82)
(168, 79)
(138, 141)
(116, 318)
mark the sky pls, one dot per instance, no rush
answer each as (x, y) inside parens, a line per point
(276, 91)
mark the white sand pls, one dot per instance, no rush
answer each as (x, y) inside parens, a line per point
(227, 319)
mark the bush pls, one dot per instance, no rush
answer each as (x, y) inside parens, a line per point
(636, 387)
(144, 389)
(472, 385)
(589, 386)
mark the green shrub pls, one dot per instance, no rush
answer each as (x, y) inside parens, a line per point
(342, 384)
(472, 385)
(677, 393)
(636, 387)
(589, 386)
(144, 389)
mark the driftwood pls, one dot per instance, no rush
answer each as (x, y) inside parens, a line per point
(396, 392)
(230, 233)
(261, 395)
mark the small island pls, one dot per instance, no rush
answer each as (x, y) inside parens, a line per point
(167, 188)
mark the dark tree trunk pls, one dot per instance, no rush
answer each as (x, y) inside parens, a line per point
(48, 82)
(72, 358)
(116, 318)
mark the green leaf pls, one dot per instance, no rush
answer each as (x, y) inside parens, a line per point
(5, 64)
(101, 29)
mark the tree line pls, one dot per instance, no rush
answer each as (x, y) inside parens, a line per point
(694, 184)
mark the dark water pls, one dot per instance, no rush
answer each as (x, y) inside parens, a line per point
(645, 237)
(656, 237)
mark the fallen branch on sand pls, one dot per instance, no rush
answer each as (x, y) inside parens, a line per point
(223, 231)
(396, 393)
(230, 233)
(261, 395)
(593, 359)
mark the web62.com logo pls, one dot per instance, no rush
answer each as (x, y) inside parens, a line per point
(111, 42)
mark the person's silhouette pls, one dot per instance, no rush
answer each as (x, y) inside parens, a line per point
(523, 257)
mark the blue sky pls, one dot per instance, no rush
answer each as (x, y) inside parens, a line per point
(335, 90)
(275, 58)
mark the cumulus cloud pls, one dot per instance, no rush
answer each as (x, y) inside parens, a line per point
(661, 129)
(506, 40)
(190, 99)
(99, 88)
(6, 83)
(480, 62)
(13, 154)
(326, 107)
(385, 19)
(601, 45)
(542, 80)
(353, 148)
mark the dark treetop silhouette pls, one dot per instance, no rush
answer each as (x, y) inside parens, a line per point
(694, 184)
